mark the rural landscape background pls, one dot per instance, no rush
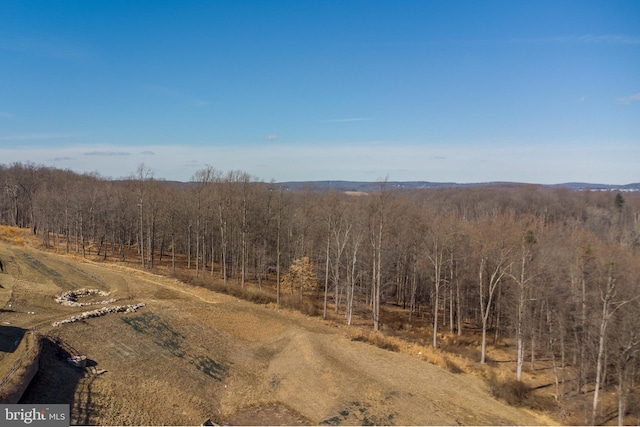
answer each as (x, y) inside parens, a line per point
(493, 304)
(321, 212)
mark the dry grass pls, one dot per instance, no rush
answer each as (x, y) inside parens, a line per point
(451, 362)
(13, 235)
(19, 236)
(251, 292)
(460, 355)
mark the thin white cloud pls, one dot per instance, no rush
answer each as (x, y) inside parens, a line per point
(38, 136)
(629, 99)
(61, 159)
(47, 47)
(272, 137)
(148, 153)
(355, 119)
(7, 116)
(106, 153)
(177, 95)
(609, 39)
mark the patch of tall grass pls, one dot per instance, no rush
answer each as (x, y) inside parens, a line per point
(12, 235)
(451, 362)
(253, 294)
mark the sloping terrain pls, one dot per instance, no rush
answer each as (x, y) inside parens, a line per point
(191, 354)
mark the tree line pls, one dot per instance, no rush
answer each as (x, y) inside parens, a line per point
(556, 270)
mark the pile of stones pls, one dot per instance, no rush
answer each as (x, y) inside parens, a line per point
(70, 298)
(101, 312)
(78, 361)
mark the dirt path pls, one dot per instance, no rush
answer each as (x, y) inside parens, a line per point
(191, 354)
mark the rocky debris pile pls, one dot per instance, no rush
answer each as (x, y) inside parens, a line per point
(70, 298)
(101, 312)
(78, 361)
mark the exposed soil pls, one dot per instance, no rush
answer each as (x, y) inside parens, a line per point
(191, 355)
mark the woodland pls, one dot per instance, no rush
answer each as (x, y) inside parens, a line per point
(555, 271)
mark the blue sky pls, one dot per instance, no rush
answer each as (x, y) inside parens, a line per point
(464, 91)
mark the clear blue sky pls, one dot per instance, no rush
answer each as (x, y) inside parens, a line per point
(464, 91)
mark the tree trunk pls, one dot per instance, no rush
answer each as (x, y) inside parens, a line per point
(483, 312)
(606, 315)
(622, 397)
(601, 339)
(173, 253)
(458, 306)
(326, 277)
(435, 302)
(352, 284)
(278, 264)
(520, 335)
(141, 235)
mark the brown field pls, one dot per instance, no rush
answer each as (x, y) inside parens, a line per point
(192, 354)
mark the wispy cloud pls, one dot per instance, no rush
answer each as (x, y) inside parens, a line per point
(7, 116)
(629, 99)
(355, 119)
(47, 47)
(177, 95)
(106, 153)
(148, 153)
(609, 39)
(38, 136)
(272, 137)
(61, 159)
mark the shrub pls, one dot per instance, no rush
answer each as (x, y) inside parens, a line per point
(515, 393)
(258, 297)
(376, 338)
(293, 302)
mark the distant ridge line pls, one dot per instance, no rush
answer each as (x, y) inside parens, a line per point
(365, 186)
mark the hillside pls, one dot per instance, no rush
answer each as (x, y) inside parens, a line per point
(191, 354)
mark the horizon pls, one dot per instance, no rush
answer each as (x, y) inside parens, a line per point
(463, 92)
(329, 182)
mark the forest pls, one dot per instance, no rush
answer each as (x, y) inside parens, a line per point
(556, 271)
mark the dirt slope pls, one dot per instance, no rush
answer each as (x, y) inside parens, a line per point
(191, 354)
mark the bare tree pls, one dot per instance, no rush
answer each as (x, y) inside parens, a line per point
(143, 175)
(625, 349)
(282, 203)
(352, 277)
(612, 301)
(379, 214)
(494, 260)
(522, 277)
(202, 180)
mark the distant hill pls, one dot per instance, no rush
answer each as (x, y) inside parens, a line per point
(366, 186)
(601, 187)
(370, 186)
